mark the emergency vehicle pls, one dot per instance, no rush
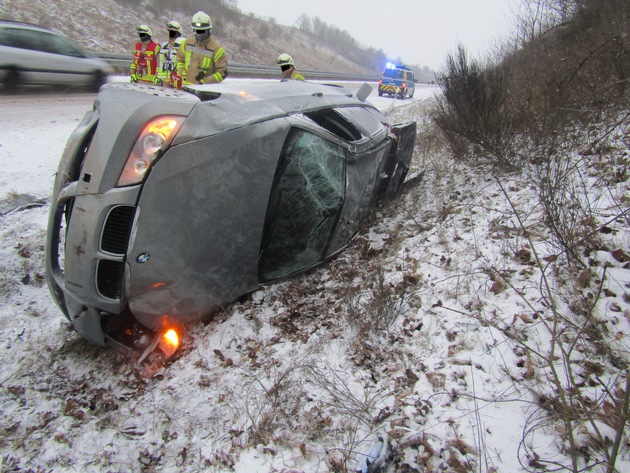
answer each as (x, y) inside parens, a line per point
(397, 80)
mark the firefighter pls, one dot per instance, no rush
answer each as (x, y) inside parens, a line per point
(144, 63)
(200, 59)
(288, 67)
(168, 52)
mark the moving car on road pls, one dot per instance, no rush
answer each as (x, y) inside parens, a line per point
(33, 55)
(169, 204)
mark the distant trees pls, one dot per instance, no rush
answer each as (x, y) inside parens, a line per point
(304, 23)
(341, 41)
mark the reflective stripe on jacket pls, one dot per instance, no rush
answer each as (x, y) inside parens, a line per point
(145, 61)
(292, 73)
(295, 75)
(168, 59)
(206, 57)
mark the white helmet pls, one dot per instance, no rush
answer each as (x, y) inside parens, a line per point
(174, 26)
(144, 29)
(285, 60)
(201, 21)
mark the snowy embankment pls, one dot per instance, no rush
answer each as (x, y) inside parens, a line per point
(408, 335)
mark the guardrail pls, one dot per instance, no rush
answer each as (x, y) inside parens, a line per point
(121, 64)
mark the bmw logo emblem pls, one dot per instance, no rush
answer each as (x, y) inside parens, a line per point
(143, 257)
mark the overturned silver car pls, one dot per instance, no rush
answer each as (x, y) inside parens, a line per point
(169, 204)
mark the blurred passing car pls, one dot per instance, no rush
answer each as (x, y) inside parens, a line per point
(170, 204)
(33, 55)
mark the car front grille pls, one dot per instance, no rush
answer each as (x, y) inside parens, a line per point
(117, 228)
(114, 241)
(109, 278)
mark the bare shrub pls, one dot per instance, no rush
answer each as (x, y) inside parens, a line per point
(339, 394)
(376, 307)
(563, 195)
(472, 111)
(269, 406)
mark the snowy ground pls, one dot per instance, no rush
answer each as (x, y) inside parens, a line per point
(300, 377)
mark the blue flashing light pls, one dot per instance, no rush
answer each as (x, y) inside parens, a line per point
(389, 65)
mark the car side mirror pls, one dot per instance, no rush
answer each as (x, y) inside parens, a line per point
(364, 91)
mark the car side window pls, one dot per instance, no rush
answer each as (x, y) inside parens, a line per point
(61, 45)
(21, 38)
(39, 41)
(304, 205)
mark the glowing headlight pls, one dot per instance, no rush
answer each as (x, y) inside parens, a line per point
(154, 139)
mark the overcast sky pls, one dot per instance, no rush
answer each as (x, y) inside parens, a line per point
(418, 31)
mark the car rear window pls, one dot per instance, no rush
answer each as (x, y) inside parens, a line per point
(393, 73)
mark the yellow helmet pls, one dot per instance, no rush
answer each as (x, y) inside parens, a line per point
(144, 29)
(285, 60)
(201, 21)
(174, 26)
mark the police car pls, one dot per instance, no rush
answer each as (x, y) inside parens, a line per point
(397, 80)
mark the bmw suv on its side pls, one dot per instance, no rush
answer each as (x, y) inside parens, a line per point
(169, 204)
(34, 55)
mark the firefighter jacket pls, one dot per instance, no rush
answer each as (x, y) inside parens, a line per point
(201, 63)
(144, 63)
(168, 59)
(293, 74)
(296, 75)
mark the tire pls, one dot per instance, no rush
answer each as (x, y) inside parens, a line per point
(12, 81)
(98, 79)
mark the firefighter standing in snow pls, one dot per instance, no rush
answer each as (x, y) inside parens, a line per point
(144, 63)
(287, 66)
(200, 59)
(168, 52)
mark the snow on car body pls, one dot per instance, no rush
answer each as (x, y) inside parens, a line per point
(170, 204)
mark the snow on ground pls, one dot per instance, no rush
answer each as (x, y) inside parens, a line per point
(297, 378)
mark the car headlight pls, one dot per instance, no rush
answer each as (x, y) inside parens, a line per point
(155, 138)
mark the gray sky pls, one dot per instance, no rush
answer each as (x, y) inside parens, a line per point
(418, 31)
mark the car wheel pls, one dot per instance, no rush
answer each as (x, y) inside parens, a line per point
(12, 81)
(98, 79)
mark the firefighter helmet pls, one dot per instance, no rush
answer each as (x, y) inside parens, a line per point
(285, 60)
(144, 29)
(174, 26)
(201, 21)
